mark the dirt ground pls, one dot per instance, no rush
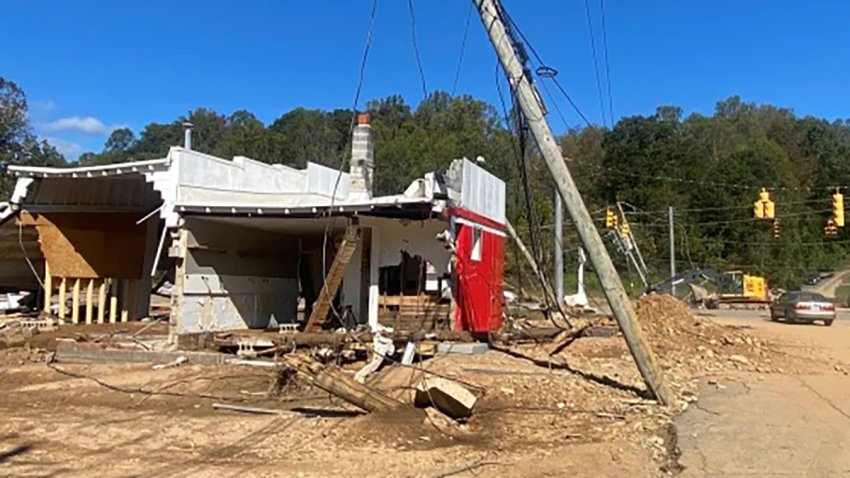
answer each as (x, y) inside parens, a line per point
(581, 413)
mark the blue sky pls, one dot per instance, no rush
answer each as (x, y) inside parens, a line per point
(89, 66)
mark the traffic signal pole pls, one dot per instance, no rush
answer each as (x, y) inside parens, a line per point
(672, 250)
(529, 102)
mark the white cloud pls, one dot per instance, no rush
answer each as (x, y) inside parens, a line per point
(81, 124)
(43, 106)
(69, 149)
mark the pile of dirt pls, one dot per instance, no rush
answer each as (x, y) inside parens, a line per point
(679, 337)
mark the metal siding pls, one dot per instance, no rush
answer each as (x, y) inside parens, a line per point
(482, 192)
(479, 283)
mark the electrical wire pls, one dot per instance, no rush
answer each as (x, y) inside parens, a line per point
(346, 149)
(416, 48)
(595, 61)
(462, 48)
(607, 62)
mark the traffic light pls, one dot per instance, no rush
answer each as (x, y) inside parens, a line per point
(625, 231)
(610, 219)
(830, 230)
(764, 208)
(838, 208)
(776, 228)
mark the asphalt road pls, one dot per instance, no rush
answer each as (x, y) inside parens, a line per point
(775, 424)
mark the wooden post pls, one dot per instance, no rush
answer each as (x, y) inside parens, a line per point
(62, 298)
(101, 301)
(113, 301)
(48, 288)
(529, 102)
(332, 380)
(75, 302)
(89, 301)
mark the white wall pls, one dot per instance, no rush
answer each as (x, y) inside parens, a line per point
(482, 192)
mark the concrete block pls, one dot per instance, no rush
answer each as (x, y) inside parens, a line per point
(464, 348)
(449, 397)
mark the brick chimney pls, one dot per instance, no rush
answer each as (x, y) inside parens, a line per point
(362, 166)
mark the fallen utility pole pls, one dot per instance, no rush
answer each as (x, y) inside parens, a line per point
(332, 380)
(492, 19)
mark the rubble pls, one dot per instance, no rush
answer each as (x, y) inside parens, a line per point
(447, 396)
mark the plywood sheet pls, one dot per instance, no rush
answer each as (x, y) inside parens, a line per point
(91, 245)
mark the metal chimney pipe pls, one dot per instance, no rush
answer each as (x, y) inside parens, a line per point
(187, 134)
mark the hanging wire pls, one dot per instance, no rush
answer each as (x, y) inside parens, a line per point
(416, 48)
(595, 61)
(462, 48)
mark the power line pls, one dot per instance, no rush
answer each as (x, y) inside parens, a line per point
(607, 62)
(543, 70)
(595, 60)
(462, 48)
(416, 48)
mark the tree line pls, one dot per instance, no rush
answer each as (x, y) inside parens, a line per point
(709, 168)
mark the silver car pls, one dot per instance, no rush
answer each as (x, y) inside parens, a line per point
(803, 307)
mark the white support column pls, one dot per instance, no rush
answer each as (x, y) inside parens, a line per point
(374, 277)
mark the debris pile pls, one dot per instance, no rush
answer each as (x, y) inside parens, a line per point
(679, 337)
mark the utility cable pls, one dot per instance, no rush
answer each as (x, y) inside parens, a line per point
(462, 47)
(416, 48)
(595, 60)
(607, 62)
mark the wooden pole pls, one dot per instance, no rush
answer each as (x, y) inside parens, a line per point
(62, 299)
(101, 301)
(48, 288)
(113, 301)
(75, 302)
(89, 301)
(337, 383)
(547, 289)
(530, 103)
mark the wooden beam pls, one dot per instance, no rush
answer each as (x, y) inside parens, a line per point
(113, 301)
(48, 288)
(75, 302)
(101, 301)
(62, 298)
(89, 301)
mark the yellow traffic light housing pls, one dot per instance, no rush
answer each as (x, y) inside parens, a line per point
(758, 210)
(764, 208)
(625, 231)
(830, 229)
(610, 219)
(838, 208)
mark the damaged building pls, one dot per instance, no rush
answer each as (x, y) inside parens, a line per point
(249, 245)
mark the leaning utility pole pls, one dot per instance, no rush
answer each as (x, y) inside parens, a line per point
(529, 102)
(559, 248)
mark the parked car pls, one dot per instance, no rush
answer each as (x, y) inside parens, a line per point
(813, 280)
(801, 306)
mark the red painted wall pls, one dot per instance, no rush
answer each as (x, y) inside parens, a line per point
(478, 278)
